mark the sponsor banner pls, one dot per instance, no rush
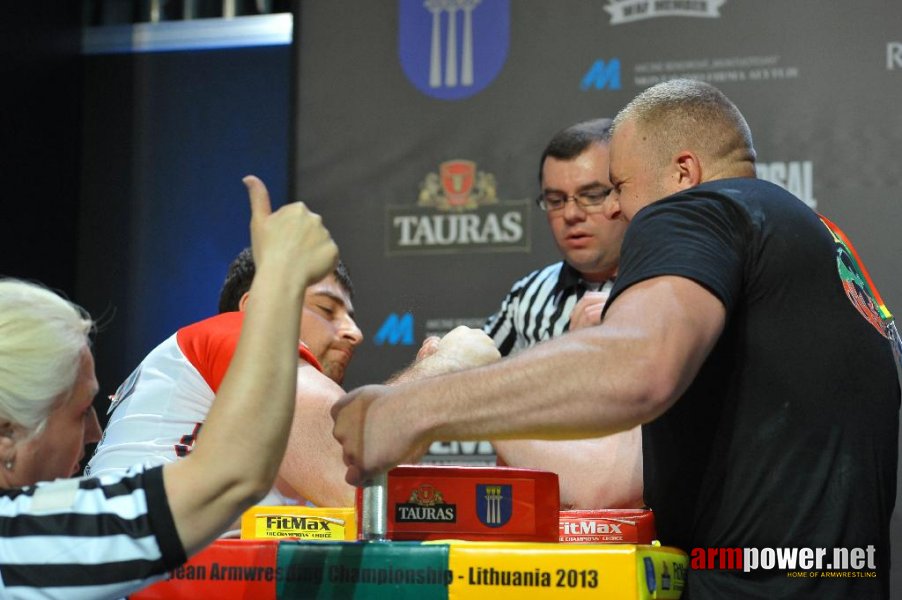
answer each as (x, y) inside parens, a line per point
(471, 503)
(226, 570)
(235, 569)
(439, 326)
(502, 227)
(302, 522)
(425, 505)
(491, 570)
(458, 210)
(480, 453)
(607, 526)
(716, 71)
(627, 11)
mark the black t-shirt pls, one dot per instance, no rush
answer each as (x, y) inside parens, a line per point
(787, 436)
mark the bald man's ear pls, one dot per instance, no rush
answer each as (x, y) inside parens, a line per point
(689, 169)
(242, 302)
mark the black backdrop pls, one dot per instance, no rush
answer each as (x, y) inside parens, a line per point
(820, 84)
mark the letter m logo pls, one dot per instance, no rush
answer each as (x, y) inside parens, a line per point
(602, 75)
(396, 330)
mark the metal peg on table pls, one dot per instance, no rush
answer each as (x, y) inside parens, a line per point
(374, 508)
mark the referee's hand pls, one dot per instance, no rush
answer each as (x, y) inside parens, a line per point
(587, 311)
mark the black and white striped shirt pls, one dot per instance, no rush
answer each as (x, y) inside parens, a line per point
(538, 307)
(100, 537)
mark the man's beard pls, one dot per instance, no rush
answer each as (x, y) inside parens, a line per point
(334, 371)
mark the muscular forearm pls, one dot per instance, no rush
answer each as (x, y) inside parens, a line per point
(589, 383)
(312, 467)
(316, 477)
(427, 367)
(547, 399)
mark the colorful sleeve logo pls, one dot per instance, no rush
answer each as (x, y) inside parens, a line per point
(860, 289)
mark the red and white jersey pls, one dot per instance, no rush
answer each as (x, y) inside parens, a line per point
(156, 414)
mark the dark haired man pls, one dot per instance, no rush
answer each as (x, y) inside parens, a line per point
(157, 414)
(329, 330)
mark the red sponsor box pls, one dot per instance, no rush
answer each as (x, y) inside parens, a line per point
(225, 570)
(607, 526)
(471, 503)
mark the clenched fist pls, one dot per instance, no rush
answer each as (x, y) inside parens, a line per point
(460, 348)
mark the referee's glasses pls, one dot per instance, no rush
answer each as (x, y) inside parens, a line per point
(588, 200)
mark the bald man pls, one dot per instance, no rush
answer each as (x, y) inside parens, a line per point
(742, 334)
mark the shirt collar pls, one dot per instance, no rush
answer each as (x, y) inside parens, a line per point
(569, 278)
(304, 353)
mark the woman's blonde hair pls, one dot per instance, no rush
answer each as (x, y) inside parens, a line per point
(41, 339)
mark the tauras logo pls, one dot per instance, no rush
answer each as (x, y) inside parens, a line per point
(795, 176)
(426, 514)
(458, 210)
(425, 505)
(626, 11)
(458, 230)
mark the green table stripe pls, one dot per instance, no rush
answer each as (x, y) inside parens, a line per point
(371, 570)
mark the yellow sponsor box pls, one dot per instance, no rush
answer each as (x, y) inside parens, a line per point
(298, 522)
(495, 570)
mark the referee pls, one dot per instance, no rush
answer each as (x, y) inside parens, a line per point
(570, 294)
(573, 176)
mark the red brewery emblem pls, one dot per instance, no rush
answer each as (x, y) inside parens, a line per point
(458, 177)
(457, 187)
(426, 495)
